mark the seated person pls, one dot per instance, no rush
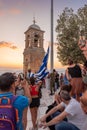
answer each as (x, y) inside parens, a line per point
(72, 110)
(57, 100)
(83, 102)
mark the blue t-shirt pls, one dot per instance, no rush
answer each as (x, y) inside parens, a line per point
(20, 103)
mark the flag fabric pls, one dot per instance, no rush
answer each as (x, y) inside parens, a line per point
(46, 56)
(43, 68)
(42, 76)
(41, 72)
(44, 62)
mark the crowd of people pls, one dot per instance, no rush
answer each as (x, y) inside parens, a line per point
(67, 112)
(27, 90)
(65, 115)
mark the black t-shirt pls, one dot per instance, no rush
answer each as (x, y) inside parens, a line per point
(75, 71)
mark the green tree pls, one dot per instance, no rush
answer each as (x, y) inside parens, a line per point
(82, 18)
(68, 29)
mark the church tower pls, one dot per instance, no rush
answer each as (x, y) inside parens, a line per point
(33, 52)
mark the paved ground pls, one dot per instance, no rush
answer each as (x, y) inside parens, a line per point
(45, 101)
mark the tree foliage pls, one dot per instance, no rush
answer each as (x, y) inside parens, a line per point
(69, 26)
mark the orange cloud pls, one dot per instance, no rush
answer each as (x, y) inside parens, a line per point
(2, 12)
(14, 11)
(7, 44)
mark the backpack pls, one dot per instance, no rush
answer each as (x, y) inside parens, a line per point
(8, 114)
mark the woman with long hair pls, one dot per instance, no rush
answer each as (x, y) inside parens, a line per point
(34, 90)
(74, 75)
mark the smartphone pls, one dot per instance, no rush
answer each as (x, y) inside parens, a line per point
(21, 76)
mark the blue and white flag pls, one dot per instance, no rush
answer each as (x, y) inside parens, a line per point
(41, 72)
(43, 68)
(45, 61)
(42, 76)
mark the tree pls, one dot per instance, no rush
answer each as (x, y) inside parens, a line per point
(68, 31)
(82, 17)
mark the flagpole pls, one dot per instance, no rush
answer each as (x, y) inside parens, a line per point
(51, 59)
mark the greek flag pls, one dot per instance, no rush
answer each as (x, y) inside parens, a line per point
(43, 68)
(42, 76)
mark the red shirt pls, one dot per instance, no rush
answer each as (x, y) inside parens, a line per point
(34, 90)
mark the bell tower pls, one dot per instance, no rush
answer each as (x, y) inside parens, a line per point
(33, 52)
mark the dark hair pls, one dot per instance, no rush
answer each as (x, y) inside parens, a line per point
(70, 61)
(54, 70)
(67, 88)
(32, 80)
(65, 95)
(6, 80)
(29, 70)
(85, 64)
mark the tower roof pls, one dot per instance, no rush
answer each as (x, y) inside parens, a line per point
(34, 25)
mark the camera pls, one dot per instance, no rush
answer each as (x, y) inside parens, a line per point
(21, 76)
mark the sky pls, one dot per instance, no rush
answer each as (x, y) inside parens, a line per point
(15, 18)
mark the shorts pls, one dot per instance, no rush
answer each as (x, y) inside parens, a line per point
(35, 102)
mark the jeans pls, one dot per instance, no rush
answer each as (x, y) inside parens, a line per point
(56, 114)
(52, 127)
(63, 125)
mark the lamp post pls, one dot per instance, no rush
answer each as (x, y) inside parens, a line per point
(51, 35)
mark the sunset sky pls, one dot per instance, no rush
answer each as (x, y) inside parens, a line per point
(15, 18)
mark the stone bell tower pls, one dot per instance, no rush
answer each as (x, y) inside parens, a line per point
(34, 52)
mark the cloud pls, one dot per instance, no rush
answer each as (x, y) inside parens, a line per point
(7, 44)
(2, 12)
(14, 11)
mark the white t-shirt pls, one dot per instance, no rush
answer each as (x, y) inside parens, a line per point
(85, 125)
(76, 115)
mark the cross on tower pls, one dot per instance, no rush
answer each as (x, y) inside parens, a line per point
(34, 20)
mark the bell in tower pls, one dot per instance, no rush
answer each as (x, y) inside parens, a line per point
(33, 52)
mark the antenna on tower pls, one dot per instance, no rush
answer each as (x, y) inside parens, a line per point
(34, 21)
